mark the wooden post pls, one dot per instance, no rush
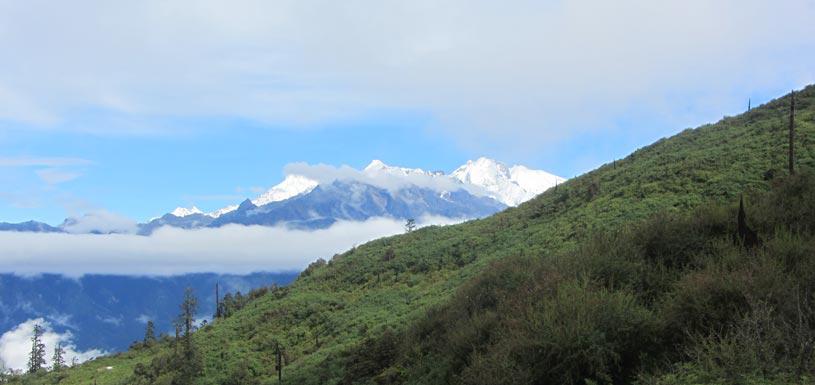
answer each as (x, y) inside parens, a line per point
(792, 134)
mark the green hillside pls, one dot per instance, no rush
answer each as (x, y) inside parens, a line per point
(582, 282)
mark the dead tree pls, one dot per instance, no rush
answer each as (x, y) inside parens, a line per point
(792, 134)
(744, 235)
(279, 362)
(217, 302)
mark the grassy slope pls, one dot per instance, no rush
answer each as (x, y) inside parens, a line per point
(361, 292)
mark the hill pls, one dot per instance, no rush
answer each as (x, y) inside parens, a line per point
(541, 291)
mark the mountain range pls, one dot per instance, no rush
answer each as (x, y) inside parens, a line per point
(108, 312)
(476, 189)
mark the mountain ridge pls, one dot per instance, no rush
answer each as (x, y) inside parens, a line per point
(476, 189)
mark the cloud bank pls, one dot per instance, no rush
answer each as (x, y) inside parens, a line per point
(230, 249)
(100, 221)
(15, 345)
(486, 72)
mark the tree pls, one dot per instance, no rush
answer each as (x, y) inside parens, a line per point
(792, 134)
(149, 333)
(217, 302)
(410, 225)
(58, 361)
(227, 304)
(279, 362)
(36, 359)
(189, 364)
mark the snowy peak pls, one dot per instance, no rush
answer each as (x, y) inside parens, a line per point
(222, 211)
(534, 180)
(482, 172)
(377, 168)
(292, 186)
(182, 212)
(483, 177)
(509, 185)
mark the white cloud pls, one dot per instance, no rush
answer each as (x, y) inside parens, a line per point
(101, 221)
(230, 249)
(326, 174)
(15, 345)
(520, 72)
(53, 176)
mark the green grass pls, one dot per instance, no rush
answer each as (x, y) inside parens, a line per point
(360, 295)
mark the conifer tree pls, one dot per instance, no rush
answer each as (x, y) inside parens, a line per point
(58, 361)
(150, 333)
(36, 359)
(189, 365)
(410, 225)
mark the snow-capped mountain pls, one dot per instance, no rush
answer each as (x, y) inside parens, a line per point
(378, 168)
(350, 200)
(293, 185)
(508, 185)
(476, 189)
(185, 212)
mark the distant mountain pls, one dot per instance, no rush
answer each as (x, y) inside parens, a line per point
(30, 226)
(356, 201)
(474, 190)
(108, 312)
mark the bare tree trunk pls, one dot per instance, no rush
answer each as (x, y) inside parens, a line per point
(792, 134)
(217, 302)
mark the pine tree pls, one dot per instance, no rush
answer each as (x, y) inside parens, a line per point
(228, 304)
(410, 225)
(190, 366)
(150, 333)
(36, 359)
(58, 361)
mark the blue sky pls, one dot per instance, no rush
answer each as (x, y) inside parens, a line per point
(142, 107)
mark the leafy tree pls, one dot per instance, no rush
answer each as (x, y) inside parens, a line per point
(36, 359)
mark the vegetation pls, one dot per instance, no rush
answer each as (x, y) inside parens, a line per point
(36, 358)
(671, 300)
(627, 274)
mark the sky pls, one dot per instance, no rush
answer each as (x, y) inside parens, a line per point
(135, 108)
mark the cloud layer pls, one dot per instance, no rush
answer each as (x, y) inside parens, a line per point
(15, 345)
(519, 71)
(230, 249)
(326, 174)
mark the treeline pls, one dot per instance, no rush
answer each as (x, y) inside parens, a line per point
(230, 304)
